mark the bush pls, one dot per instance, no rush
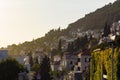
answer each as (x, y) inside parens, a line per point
(35, 67)
(9, 69)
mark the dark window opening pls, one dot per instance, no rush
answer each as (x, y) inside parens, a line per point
(78, 69)
(71, 62)
(89, 59)
(85, 59)
(78, 59)
(85, 68)
(72, 68)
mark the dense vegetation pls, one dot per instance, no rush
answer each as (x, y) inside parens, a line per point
(101, 60)
(101, 64)
(45, 69)
(9, 69)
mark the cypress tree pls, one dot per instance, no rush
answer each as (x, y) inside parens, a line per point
(45, 69)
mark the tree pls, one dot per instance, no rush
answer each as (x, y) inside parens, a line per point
(45, 69)
(9, 69)
(31, 58)
(70, 47)
(106, 30)
(60, 45)
(35, 67)
(77, 44)
(117, 41)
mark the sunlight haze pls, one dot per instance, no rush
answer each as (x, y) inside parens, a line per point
(25, 20)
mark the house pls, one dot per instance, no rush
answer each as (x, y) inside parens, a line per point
(56, 63)
(69, 60)
(78, 63)
(84, 60)
(82, 67)
(55, 66)
(56, 58)
(3, 54)
(115, 29)
(20, 59)
(38, 56)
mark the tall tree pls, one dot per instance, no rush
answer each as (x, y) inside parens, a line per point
(60, 45)
(45, 69)
(70, 47)
(77, 44)
(106, 30)
(31, 58)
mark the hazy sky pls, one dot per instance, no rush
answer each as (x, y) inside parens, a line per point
(23, 20)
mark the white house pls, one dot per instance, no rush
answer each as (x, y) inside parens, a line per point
(115, 29)
(84, 60)
(83, 64)
(78, 62)
(55, 66)
(69, 60)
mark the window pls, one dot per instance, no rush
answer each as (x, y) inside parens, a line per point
(89, 59)
(76, 63)
(72, 68)
(85, 59)
(78, 68)
(71, 62)
(78, 59)
(85, 68)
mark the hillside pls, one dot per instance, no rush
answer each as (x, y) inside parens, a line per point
(95, 20)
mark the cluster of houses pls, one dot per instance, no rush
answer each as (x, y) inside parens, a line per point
(78, 63)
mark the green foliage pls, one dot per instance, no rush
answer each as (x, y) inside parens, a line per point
(56, 74)
(35, 67)
(101, 63)
(79, 43)
(117, 41)
(60, 45)
(70, 47)
(9, 69)
(106, 30)
(118, 66)
(45, 69)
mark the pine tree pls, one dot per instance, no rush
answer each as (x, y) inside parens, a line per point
(70, 47)
(31, 58)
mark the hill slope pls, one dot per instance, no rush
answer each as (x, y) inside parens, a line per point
(95, 20)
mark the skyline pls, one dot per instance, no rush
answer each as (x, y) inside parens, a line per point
(25, 20)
